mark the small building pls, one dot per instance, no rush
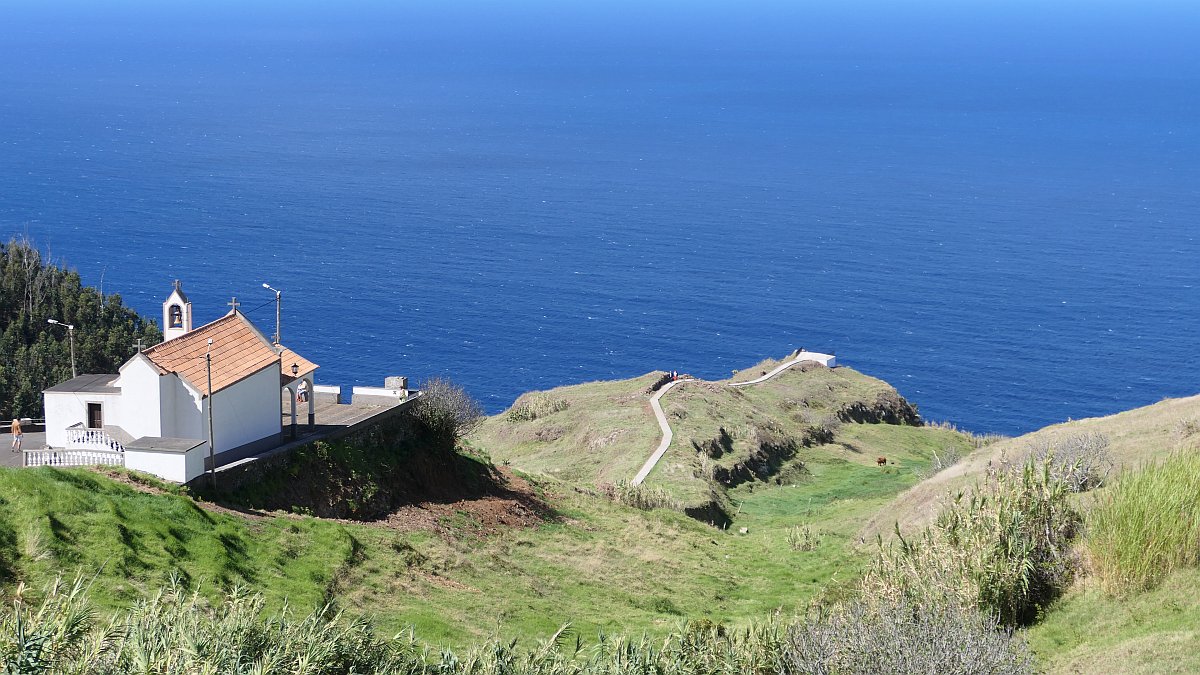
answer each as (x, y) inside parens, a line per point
(220, 384)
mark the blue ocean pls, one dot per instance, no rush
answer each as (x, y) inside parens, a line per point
(992, 205)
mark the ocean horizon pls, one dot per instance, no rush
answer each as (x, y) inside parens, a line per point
(992, 206)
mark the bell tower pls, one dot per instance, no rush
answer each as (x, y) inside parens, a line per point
(177, 314)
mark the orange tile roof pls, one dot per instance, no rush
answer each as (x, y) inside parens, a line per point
(287, 359)
(238, 351)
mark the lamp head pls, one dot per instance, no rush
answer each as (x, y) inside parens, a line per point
(266, 285)
(295, 369)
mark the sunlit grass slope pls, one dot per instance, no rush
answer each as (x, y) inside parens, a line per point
(1090, 631)
(600, 565)
(599, 433)
(1134, 436)
(67, 522)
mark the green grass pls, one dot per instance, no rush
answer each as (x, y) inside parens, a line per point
(598, 433)
(601, 566)
(1147, 525)
(1088, 631)
(66, 522)
(604, 434)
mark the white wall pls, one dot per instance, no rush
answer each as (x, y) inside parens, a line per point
(187, 410)
(378, 395)
(166, 465)
(247, 411)
(172, 466)
(824, 359)
(194, 464)
(66, 408)
(137, 411)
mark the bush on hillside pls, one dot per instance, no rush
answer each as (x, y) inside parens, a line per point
(529, 407)
(446, 409)
(644, 497)
(1082, 461)
(1147, 526)
(1005, 548)
(901, 637)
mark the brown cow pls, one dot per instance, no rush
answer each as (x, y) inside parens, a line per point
(881, 461)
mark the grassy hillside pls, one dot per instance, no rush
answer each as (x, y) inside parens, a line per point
(1134, 436)
(775, 432)
(586, 433)
(1153, 632)
(461, 567)
(1099, 626)
(596, 564)
(131, 541)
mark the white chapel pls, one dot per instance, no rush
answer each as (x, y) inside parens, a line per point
(156, 409)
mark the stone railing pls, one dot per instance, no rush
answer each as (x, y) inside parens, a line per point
(82, 438)
(52, 457)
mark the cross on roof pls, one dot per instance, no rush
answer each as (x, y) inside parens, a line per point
(234, 303)
(139, 346)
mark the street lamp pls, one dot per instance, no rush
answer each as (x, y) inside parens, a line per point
(71, 336)
(278, 302)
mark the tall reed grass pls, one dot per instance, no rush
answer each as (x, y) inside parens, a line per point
(1004, 548)
(1147, 526)
(178, 633)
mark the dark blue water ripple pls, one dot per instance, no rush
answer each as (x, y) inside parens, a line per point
(993, 208)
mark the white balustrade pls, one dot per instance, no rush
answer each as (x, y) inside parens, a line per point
(52, 457)
(81, 438)
(85, 447)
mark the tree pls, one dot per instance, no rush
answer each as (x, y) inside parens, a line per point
(34, 355)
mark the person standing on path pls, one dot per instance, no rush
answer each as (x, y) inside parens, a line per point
(16, 434)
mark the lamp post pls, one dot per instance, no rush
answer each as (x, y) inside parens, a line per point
(278, 303)
(71, 336)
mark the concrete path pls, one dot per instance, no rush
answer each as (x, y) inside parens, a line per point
(667, 434)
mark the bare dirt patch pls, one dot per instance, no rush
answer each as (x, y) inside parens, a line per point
(518, 506)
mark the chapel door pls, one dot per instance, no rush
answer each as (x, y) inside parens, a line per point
(95, 416)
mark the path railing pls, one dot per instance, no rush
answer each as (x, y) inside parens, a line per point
(82, 438)
(62, 457)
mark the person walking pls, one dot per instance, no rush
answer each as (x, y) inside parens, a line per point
(16, 434)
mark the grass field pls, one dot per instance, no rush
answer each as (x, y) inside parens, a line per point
(601, 566)
(803, 534)
(600, 433)
(1155, 632)
(1134, 436)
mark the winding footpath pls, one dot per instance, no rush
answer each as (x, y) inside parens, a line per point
(667, 434)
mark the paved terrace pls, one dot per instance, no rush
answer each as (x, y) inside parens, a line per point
(332, 420)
